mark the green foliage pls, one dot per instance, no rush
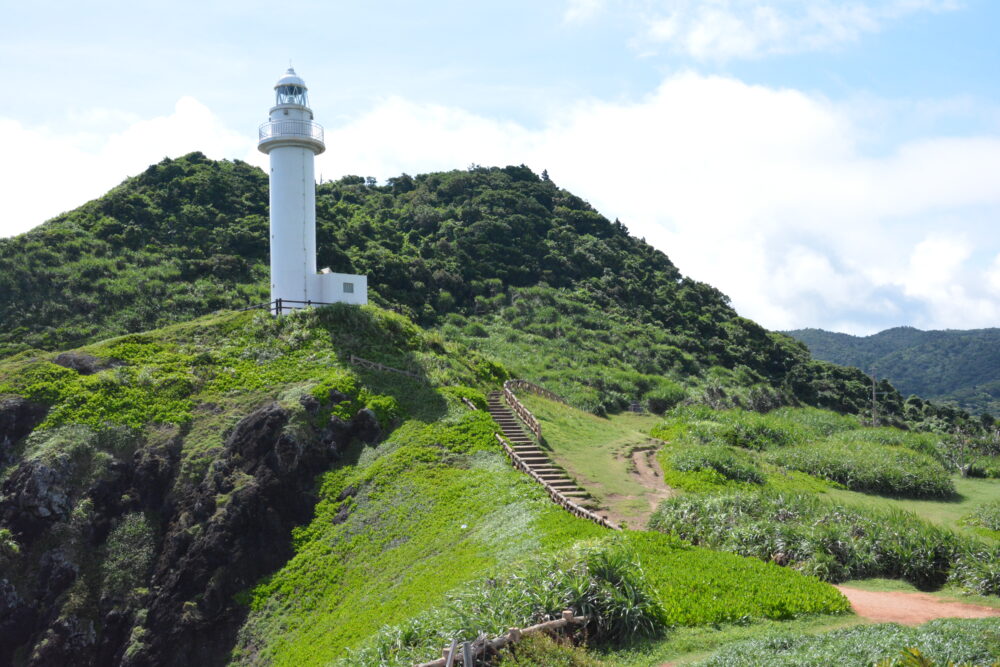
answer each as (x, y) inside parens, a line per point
(875, 469)
(959, 367)
(664, 397)
(819, 443)
(986, 515)
(540, 649)
(8, 545)
(697, 586)
(830, 542)
(725, 461)
(944, 642)
(501, 259)
(129, 554)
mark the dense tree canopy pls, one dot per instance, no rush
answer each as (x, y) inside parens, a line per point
(189, 236)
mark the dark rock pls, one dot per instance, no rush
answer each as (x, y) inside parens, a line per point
(18, 418)
(310, 403)
(268, 478)
(70, 640)
(17, 621)
(84, 364)
(366, 426)
(56, 572)
(33, 497)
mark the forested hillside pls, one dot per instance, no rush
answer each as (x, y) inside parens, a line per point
(959, 367)
(469, 251)
(182, 483)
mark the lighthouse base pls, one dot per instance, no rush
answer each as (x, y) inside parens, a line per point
(323, 289)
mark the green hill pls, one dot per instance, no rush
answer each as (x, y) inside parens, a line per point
(183, 483)
(484, 250)
(957, 367)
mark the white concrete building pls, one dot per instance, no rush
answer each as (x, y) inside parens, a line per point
(292, 140)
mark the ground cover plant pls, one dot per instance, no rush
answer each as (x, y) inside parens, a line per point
(831, 542)
(633, 585)
(942, 642)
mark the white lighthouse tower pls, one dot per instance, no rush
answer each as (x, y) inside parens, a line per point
(292, 139)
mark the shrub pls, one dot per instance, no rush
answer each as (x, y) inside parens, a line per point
(755, 431)
(129, 554)
(870, 468)
(986, 516)
(826, 541)
(541, 649)
(664, 397)
(943, 642)
(602, 581)
(697, 586)
(721, 459)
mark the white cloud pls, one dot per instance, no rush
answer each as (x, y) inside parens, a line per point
(49, 172)
(718, 30)
(765, 193)
(582, 10)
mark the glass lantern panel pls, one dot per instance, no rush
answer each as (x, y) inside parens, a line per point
(292, 95)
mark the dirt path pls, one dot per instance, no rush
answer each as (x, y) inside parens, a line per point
(645, 471)
(909, 608)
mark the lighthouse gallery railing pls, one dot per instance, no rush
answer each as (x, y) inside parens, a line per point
(276, 129)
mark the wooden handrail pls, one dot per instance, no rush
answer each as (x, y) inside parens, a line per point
(513, 635)
(556, 495)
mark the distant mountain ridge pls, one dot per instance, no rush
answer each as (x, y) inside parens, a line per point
(959, 366)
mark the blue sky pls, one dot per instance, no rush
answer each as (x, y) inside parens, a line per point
(830, 164)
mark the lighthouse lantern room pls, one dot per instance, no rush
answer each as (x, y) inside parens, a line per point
(292, 139)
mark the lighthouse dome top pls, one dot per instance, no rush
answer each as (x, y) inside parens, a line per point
(291, 89)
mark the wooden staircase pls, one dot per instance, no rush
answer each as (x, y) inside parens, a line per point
(528, 450)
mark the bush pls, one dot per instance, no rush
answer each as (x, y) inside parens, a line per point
(699, 587)
(541, 649)
(602, 581)
(721, 459)
(944, 642)
(826, 541)
(986, 516)
(664, 397)
(870, 468)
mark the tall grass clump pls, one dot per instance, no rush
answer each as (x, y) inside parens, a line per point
(603, 581)
(986, 516)
(869, 468)
(830, 542)
(722, 460)
(941, 642)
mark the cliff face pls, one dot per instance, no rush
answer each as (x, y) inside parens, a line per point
(174, 554)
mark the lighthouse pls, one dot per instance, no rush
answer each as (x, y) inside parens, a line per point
(292, 140)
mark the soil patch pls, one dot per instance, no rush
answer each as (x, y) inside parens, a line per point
(909, 608)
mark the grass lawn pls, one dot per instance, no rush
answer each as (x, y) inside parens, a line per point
(596, 451)
(971, 492)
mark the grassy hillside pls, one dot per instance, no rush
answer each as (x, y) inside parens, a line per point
(959, 367)
(232, 489)
(500, 259)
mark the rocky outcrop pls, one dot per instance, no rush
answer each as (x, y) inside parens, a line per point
(213, 539)
(18, 418)
(231, 530)
(84, 364)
